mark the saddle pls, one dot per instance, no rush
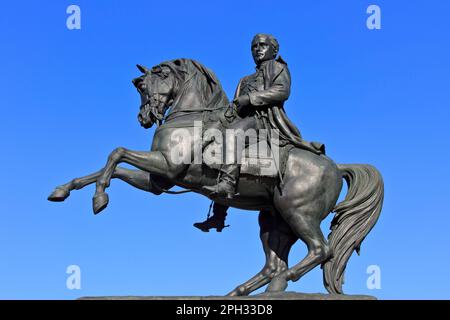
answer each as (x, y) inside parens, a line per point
(258, 160)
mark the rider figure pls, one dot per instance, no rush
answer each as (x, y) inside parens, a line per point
(261, 93)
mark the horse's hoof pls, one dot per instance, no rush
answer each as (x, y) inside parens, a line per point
(59, 194)
(233, 293)
(278, 284)
(99, 202)
(238, 292)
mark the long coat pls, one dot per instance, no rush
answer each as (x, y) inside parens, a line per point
(270, 101)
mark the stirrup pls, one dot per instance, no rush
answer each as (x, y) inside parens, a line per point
(215, 192)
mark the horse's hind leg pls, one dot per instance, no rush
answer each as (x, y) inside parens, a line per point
(318, 252)
(303, 214)
(277, 240)
(137, 178)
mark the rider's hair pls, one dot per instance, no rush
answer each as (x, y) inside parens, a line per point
(273, 41)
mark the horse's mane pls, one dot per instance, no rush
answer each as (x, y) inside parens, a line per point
(206, 84)
(188, 66)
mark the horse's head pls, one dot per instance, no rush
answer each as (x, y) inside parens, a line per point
(185, 83)
(156, 88)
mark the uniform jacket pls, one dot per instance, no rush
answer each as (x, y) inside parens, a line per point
(269, 104)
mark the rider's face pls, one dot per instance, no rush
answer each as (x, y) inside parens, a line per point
(262, 50)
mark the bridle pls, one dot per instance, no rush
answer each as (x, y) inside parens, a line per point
(157, 107)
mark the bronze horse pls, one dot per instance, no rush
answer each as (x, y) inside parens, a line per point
(311, 183)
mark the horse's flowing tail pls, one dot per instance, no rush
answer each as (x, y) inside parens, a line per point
(355, 217)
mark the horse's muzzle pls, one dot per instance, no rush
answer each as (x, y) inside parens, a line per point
(143, 119)
(146, 124)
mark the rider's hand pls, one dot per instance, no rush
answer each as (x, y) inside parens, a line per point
(241, 102)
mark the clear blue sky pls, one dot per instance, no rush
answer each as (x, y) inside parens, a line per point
(372, 96)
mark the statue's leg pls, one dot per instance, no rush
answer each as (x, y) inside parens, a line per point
(318, 252)
(137, 178)
(153, 162)
(303, 211)
(277, 240)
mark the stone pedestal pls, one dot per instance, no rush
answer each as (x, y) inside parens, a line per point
(262, 296)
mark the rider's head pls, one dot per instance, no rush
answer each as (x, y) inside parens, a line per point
(264, 47)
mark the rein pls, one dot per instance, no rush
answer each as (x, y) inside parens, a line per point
(173, 115)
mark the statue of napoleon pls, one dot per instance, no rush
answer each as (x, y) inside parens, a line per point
(257, 96)
(292, 200)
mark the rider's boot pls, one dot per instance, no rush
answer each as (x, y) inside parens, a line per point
(217, 221)
(226, 186)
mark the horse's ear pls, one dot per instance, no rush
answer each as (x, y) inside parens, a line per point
(142, 68)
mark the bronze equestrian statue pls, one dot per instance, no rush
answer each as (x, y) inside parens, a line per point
(292, 202)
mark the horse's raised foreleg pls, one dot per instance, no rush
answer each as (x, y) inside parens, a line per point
(63, 191)
(137, 178)
(277, 240)
(153, 162)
